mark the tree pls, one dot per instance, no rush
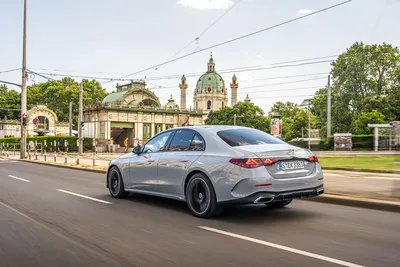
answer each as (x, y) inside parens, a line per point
(56, 95)
(364, 78)
(294, 120)
(9, 99)
(251, 116)
(361, 124)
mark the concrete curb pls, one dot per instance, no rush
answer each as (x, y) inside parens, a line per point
(360, 170)
(374, 204)
(62, 166)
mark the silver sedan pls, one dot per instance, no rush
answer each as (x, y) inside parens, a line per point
(210, 167)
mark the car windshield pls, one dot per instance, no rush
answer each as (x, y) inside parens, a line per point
(246, 137)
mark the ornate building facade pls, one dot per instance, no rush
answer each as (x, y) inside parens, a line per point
(40, 121)
(135, 114)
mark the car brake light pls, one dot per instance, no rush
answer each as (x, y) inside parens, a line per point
(253, 162)
(313, 159)
(247, 163)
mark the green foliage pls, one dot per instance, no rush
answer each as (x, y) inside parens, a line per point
(294, 120)
(322, 146)
(361, 124)
(365, 89)
(252, 116)
(72, 147)
(9, 99)
(56, 95)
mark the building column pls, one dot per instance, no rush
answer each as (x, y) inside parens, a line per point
(376, 138)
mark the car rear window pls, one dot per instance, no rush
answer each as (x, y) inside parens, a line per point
(246, 137)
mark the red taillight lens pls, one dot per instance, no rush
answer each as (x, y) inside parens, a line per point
(253, 162)
(313, 159)
(270, 161)
(247, 163)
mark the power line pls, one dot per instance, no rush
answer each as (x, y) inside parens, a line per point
(241, 37)
(274, 84)
(225, 71)
(197, 38)
(11, 70)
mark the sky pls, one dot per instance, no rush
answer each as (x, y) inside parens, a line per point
(110, 39)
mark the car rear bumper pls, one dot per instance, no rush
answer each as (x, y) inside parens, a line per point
(264, 197)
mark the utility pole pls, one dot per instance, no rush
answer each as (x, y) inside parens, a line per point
(80, 119)
(309, 128)
(328, 119)
(234, 119)
(70, 118)
(23, 91)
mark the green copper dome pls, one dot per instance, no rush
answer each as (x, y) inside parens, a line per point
(210, 81)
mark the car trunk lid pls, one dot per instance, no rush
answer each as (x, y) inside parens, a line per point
(283, 161)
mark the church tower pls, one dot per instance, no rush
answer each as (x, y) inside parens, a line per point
(234, 87)
(210, 92)
(183, 85)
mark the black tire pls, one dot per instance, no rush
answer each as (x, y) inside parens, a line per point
(116, 184)
(279, 204)
(200, 197)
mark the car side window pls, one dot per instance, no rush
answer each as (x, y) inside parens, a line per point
(197, 143)
(181, 140)
(157, 144)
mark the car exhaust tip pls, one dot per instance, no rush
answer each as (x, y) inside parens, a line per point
(320, 190)
(263, 200)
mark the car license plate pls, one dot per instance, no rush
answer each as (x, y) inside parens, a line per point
(291, 165)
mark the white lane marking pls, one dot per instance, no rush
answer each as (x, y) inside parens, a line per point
(9, 161)
(18, 178)
(265, 243)
(82, 196)
(362, 177)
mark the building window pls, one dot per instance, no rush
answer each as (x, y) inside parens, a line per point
(146, 131)
(209, 89)
(169, 126)
(208, 104)
(222, 104)
(197, 105)
(157, 128)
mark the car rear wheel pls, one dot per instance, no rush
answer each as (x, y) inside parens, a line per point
(278, 204)
(200, 197)
(116, 184)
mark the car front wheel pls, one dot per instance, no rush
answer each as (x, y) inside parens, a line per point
(116, 184)
(200, 197)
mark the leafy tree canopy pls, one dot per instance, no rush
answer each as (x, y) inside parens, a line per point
(248, 114)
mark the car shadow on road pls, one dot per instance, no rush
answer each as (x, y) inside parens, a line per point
(245, 214)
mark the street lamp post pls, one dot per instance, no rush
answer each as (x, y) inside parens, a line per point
(23, 91)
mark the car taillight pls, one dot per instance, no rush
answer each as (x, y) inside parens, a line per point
(253, 162)
(247, 163)
(313, 159)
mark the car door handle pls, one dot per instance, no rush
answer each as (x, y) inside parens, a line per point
(184, 160)
(151, 160)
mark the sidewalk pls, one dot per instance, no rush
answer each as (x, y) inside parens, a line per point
(362, 185)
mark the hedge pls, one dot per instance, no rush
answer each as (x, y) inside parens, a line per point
(360, 142)
(323, 145)
(72, 147)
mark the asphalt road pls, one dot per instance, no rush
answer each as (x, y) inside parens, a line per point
(59, 217)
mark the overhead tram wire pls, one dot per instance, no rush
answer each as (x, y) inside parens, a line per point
(11, 70)
(173, 76)
(198, 37)
(257, 86)
(239, 38)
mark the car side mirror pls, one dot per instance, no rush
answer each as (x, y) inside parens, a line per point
(137, 149)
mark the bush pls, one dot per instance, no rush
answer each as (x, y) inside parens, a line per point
(323, 145)
(72, 147)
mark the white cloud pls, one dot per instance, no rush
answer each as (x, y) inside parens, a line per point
(304, 11)
(259, 56)
(206, 4)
